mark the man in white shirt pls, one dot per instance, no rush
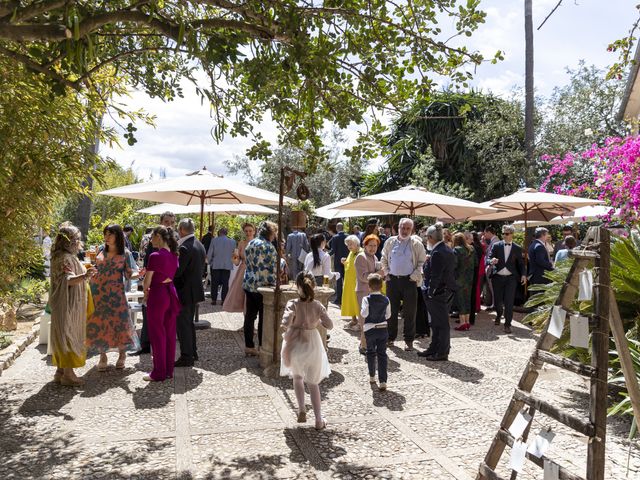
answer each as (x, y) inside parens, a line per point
(402, 259)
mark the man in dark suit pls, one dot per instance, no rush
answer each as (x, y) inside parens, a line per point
(539, 260)
(506, 258)
(339, 250)
(188, 282)
(206, 239)
(438, 290)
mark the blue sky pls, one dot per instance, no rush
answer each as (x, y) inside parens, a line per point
(579, 29)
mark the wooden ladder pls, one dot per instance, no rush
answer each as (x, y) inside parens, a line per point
(597, 251)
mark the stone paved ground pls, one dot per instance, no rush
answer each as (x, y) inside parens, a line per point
(223, 420)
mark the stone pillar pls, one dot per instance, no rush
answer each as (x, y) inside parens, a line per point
(272, 341)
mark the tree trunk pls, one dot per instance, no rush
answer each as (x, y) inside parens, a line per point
(82, 218)
(528, 87)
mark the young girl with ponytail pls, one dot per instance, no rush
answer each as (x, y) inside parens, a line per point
(303, 356)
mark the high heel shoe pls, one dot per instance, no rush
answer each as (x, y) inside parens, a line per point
(463, 327)
(250, 352)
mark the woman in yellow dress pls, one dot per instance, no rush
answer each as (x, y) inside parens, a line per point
(68, 302)
(350, 307)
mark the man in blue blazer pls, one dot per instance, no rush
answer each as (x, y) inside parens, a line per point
(339, 250)
(539, 260)
(439, 287)
(508, 267)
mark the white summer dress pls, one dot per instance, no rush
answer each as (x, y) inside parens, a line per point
(302, 351)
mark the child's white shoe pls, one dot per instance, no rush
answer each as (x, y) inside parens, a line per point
(382, 387)
(372, 379)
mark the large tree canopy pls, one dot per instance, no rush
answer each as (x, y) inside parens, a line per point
(305, 62)
(465, 144)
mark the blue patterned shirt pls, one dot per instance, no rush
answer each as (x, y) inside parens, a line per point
(261, 260)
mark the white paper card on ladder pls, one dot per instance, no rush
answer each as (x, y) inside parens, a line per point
(518, 452)
(541, 443)
(519, 424)
(551, 470)
(556, 324)
(585, 285)
(579, 331)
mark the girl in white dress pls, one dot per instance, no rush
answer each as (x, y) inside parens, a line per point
(303, 357)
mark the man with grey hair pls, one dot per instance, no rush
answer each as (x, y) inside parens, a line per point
(188, 282)
(297, 241)
(402, 259)
(508, 265)
(438, 289)
(219, 258)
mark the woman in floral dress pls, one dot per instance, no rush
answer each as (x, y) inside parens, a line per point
(110, 326)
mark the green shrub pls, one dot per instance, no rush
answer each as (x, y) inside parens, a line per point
(5, 340)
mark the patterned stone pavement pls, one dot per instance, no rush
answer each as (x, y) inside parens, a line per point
(223, 420)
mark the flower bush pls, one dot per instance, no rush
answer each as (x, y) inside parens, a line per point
(610, 172)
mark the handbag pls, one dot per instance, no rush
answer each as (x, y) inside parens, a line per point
(490, 271)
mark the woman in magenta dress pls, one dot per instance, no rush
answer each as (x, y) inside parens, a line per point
(162, 302)
(110, 326)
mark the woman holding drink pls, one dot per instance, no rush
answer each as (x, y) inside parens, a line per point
(110, 326)
(68, 303)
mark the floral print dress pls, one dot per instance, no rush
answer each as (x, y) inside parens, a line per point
(110, 326)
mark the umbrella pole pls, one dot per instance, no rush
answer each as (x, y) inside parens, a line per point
(201, 216)
(213, 222)
(276, 295)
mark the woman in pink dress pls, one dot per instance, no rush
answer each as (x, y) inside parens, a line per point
(162, 302)
(234, 302)
(110, 326)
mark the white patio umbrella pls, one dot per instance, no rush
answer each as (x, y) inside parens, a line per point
(591, 213)
(220, 209)
(530, 204)
(200, 188)
(413, 201)
(334, 210)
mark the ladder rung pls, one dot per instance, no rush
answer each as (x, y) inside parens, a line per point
(582, 426)
(564, 474)
(487, 472)
(566, 363)
(590, 254)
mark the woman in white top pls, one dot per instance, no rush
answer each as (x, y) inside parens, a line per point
(318, 262)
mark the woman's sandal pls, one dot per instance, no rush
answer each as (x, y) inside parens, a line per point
(102, 367)
(323, 425)
(120, 363)
(58, 376)
(71, 382)
(302, 417)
